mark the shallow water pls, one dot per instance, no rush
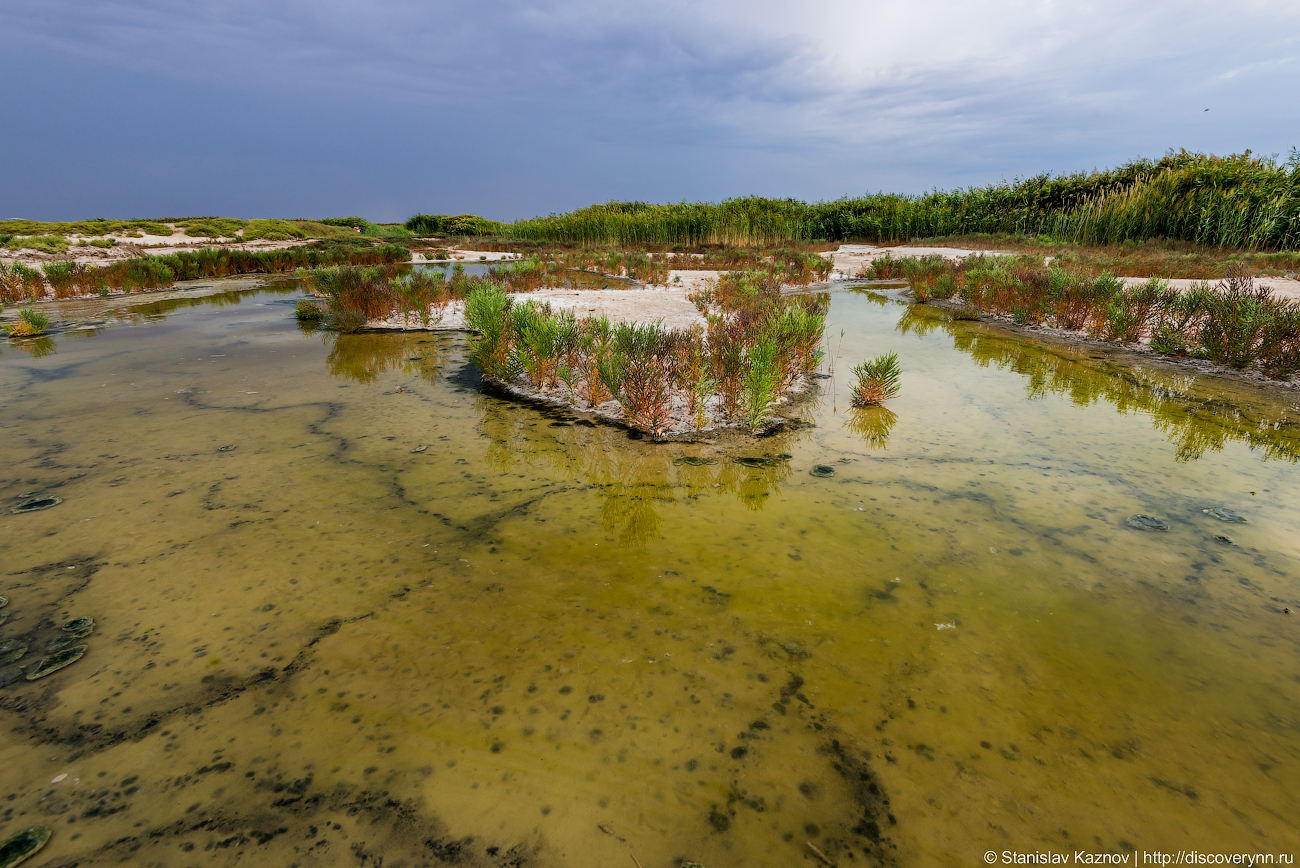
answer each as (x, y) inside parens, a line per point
(539, 642)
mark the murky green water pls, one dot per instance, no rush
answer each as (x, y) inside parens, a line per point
(543, 643)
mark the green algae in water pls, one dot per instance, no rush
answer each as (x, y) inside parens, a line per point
(1226, 540)
(21, 846)
(36, 504)
(12, 655)
(1146, 522)
(60, 642)
(822, 471)
(55, 662)
(694, 461)
(1222, 513)
(4, 616)
(226, 448)
(4, 601)
(81, 622)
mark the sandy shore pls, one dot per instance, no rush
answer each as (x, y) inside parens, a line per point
(667, 305)
(851, 258)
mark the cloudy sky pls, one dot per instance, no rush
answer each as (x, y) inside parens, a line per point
(511, 109)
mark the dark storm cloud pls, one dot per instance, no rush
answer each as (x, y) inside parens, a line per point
(510, 109)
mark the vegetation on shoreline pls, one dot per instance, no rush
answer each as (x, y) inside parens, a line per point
(51, 237)
(67, 279)
(734, 371)
(1235, 322)
(463, 225)
(1150, 258)
(554, 268)
(355, 295)
(1234, 201)
(1190, 413)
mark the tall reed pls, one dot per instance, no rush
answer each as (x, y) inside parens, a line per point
(1239, 200)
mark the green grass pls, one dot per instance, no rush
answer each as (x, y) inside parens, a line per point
(83, 227)
(67, 279)
(39, 243)
(211, 227)
(1236, 201)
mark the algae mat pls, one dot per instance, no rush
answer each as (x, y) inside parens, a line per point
(540, 642)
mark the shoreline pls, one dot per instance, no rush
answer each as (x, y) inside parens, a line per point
(1179, 364)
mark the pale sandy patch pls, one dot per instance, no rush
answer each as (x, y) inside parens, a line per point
(850, 259)
(666, 305)
(1282, 287)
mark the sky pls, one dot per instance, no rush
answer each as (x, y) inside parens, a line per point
(508, 109)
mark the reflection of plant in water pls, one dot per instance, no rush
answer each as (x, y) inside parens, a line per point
(364, 357)
(921, 320)
(38, 347)
(632, 497)
(635, 478)
(872, 424)
(873, 296)
(1193, 419)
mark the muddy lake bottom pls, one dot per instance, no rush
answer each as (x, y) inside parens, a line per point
(539, 642)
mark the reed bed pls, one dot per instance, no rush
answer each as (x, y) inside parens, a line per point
(1239, 201)
(733, 372)
(1234, 322)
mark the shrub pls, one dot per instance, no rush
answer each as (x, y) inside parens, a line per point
(1237, 313)
(878, 380)
(638, 373)
(487, 313)
(762, 380)
(1174, 328)
(539, 337)
(30, 322)
(39, 243)
(1280, 344)
(307, 311)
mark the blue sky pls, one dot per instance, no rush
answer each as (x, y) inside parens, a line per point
(512, 109)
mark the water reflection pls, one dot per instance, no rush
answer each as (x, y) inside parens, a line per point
(365, 356)
(872, 424)
(1192, 414)
(38, 347)
(921, 320)
(635, 478)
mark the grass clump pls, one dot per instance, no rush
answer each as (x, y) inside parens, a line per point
(212, 227)
(737, 370)
(878, 380)
(307, 311)
(52, 244)
(1234, 322)
(31, 322)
